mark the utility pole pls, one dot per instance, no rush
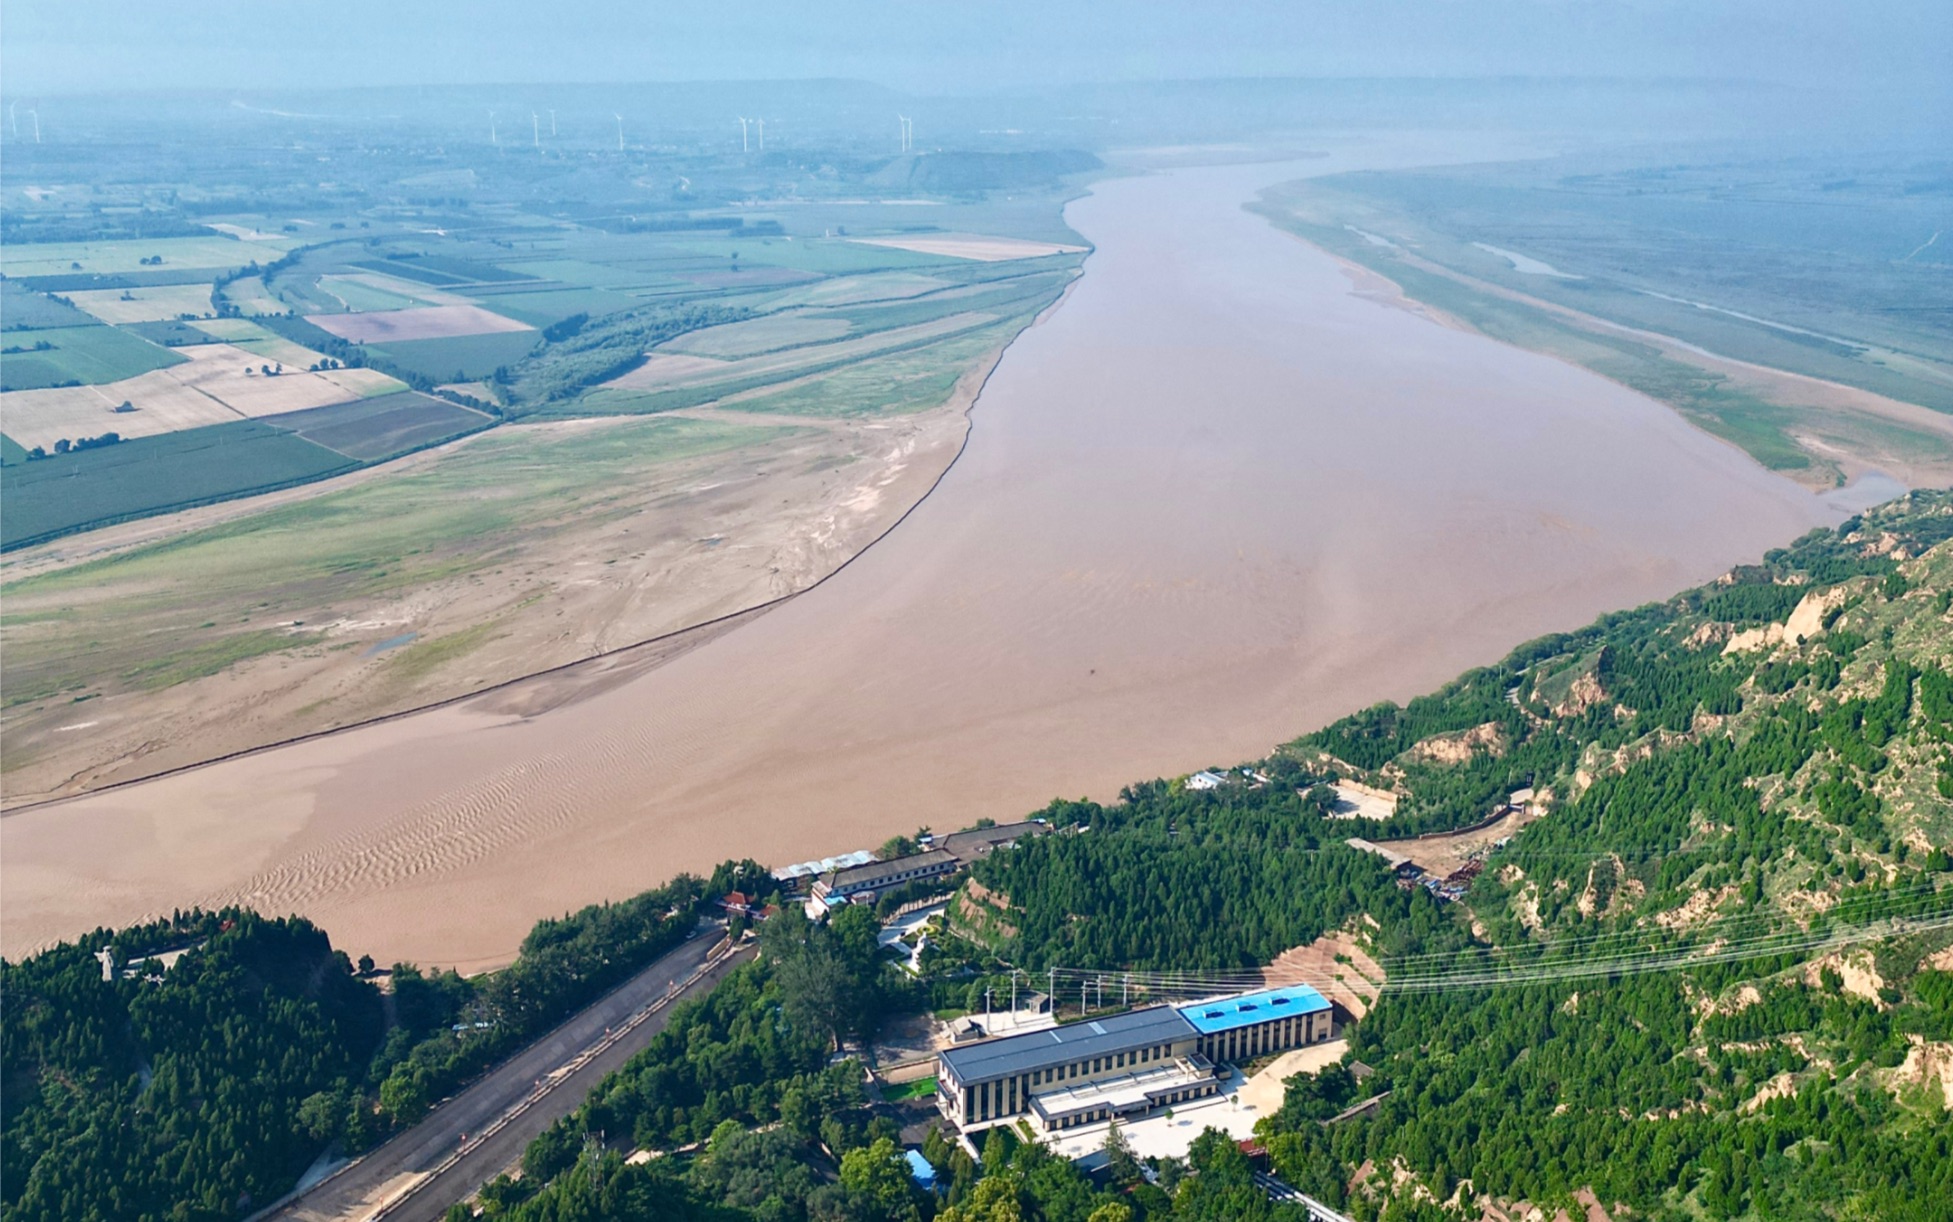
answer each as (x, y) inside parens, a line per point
(1013, 994)
(986, 1011)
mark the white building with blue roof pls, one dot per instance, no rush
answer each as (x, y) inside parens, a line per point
(1267, 1021)
(1126, 1065)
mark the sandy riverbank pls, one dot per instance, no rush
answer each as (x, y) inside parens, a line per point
(1214, 501)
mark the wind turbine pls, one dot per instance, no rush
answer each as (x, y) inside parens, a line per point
(535, 128)
(492, 138)
(761, 123)
(552, 124)
(620, 132)
(13, 116)
(37, 125)
(743, 146)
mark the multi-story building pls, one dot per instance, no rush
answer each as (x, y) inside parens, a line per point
(1257, 1024)
(1124, 1066)
(860, 884)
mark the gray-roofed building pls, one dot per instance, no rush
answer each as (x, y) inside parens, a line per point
(981, 841)
(864, 881)
(1123, 1065)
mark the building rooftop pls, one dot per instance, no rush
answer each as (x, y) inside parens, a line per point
(1227, 1013)
(919, 1168)
(874, 871)
(1121, 1092)
(825, 864)
(1015, 1054)
(976, 842)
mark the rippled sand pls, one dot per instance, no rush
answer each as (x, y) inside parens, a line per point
(1215, 500)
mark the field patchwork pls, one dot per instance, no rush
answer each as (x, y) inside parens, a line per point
(128, 255)
(213, 383)
(429, 322)
(665, 371)
(385, 426)
(757, 335)
(30, 360)
(68, 492)
(154, 304)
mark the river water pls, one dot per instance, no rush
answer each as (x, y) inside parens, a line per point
(1213, 501)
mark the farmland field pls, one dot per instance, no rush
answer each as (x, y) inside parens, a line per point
(911, 380)
(854, 290)
(382, 427)
(431, 322)
(23, 310)
(971, 246)
(368, 291)
(69, 492)
(127, 255)
(250, 297)
(757, 335)
(85, 355)
(170, 334)
(655, 375)
(209, 384)
(443, 270)
(145, 304)
(544, 307)
(257, 340)
(472, 356)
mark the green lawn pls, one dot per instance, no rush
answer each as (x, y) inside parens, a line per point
(921, 1088)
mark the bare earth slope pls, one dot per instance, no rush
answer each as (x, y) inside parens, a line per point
(1214, 500)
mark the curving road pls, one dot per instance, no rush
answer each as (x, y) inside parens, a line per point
(468, 1140)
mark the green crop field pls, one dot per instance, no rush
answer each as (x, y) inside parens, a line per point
(593, 274)
(458, 358)
(767, 333)
(68, 492)
(127, 255)
(359, 296)
(826, 256)
(171, 334)
(22, 310)
(12, 453)
(383, 427)
(544, 307)
(88, 356)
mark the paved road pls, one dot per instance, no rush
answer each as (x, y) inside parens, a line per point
(546, 1081)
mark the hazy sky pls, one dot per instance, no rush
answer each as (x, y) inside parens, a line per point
(936, 46)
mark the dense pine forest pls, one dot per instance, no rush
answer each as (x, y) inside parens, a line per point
(194, 1067)
(1711, 978)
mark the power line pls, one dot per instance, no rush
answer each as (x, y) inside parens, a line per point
(1753, 936)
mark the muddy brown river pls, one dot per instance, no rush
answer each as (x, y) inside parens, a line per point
(1213, 501)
